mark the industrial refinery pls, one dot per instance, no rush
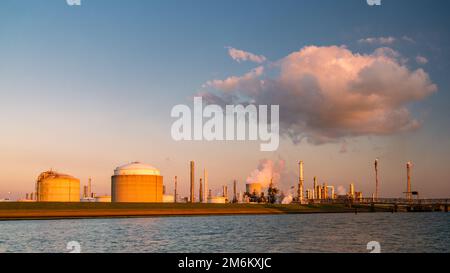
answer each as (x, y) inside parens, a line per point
(138, 182)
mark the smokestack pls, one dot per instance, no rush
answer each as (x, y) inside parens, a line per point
(300, 182)
(225, 191)
(234, 192)
(89, 189)
(205, 181)
(192, 182)
(408, 182)
(352, 190)
(376, 179)
(315, 195)
(175, 190)
(200, 192)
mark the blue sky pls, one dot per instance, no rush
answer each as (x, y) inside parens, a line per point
(86, 88)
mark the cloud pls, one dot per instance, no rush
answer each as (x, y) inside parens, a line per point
(328, 94)
(241, 55)
(421, 60)
(378, 40)
(249, 81)
(408, 39)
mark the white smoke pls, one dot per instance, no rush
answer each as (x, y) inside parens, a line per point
(287, 199)
(341, 190)
(267, 169)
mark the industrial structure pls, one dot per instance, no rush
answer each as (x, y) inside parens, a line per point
(408, 180)
(376, 179)
(192, 198)
(52, 186)
(300, 182)
(253, 188)
(351, 192)
(136, 182)
(217, 200)
(103, 199)
(205, 180)
(200, 192)
(175, 194)
(87, 189)
(235, 198)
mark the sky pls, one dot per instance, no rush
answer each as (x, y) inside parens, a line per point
(84, 89)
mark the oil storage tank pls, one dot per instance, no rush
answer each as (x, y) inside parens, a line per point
(137, 182)
(52, 186)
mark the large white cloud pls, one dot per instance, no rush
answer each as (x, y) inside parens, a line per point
(327, 94)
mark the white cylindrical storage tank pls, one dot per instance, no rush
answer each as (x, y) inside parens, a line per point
(57, 187)
(136, 182)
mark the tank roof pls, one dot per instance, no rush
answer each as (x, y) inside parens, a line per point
(136, 168)
(53, 174)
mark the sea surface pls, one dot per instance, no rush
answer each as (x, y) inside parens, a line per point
(398, 232)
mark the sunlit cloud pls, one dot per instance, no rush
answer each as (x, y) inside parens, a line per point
(241, 55)
(421, 60)
(378, 40)
(328, 94)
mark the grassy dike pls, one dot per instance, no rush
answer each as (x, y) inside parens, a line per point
(33, 210)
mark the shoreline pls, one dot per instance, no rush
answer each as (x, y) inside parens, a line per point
(13, 211)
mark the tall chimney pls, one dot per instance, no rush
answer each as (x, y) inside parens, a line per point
(175, 190)
(89, 189)
(205, 181)
(315, 195)
(192, 182)
(300, 182)
(352, 191)
(408, 182)
(376, 179)
(200, 192)
(234, 192)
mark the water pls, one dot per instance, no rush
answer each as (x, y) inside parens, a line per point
(400, 232)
